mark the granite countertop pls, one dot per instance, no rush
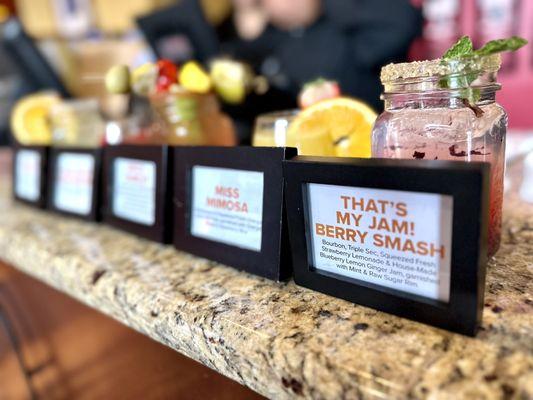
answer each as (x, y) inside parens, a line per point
(279, 339)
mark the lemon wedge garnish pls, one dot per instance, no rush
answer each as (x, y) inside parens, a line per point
(30, 122)
(194, 78)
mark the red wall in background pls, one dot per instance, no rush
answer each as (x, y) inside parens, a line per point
(483, 20)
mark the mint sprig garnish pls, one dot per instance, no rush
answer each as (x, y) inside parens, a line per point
(501, 45)
(464, 50)
(463, 47)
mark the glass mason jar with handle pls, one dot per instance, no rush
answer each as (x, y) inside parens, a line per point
(446, 110)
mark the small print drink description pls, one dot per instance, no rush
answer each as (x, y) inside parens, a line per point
(74, 183)
(28, 179)
(134, 190)
(397, 239)
(227, 206)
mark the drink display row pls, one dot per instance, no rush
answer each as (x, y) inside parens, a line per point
(443, 109)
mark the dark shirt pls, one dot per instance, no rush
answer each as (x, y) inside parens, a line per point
(350, 42)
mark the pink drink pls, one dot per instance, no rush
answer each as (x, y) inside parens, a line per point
(446, 110)
(455, 134)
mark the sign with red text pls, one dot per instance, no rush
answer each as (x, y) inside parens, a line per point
(396, 239)
(28, 174)
(227, 206)
(134, 190)
(74, 182)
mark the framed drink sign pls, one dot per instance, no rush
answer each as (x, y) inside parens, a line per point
(228, 207)
(405, 237)
(137, 190)
(74, 182)
(29, 174)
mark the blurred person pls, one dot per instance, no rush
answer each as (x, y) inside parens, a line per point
(297, 41)
(293, 42)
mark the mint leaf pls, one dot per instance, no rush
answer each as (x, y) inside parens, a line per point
(463, 47)
(499, 45)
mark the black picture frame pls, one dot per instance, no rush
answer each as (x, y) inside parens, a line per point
(467, 183)
(273, 259)
(161, 230)
(95, 209)
(42, 151)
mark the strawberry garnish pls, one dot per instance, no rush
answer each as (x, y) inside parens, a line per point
(167, 75)
(317, 90)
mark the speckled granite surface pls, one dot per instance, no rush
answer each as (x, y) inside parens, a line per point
(281, 340)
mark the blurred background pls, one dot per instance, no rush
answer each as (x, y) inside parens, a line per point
(68, 45)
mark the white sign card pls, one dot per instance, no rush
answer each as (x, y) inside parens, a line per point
(74, 183)
(396, 239)
(227, 206)
(134, 190)
(28, 174)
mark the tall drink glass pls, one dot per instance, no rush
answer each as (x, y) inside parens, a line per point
(271, 129)
(446, 110)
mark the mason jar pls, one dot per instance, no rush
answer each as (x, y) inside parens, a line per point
(191, 119)
(446, 110)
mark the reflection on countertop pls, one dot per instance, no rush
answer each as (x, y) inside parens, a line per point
(279, 339)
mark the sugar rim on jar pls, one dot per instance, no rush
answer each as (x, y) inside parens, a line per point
(469, 80)
(462, 82)
(439, 67)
